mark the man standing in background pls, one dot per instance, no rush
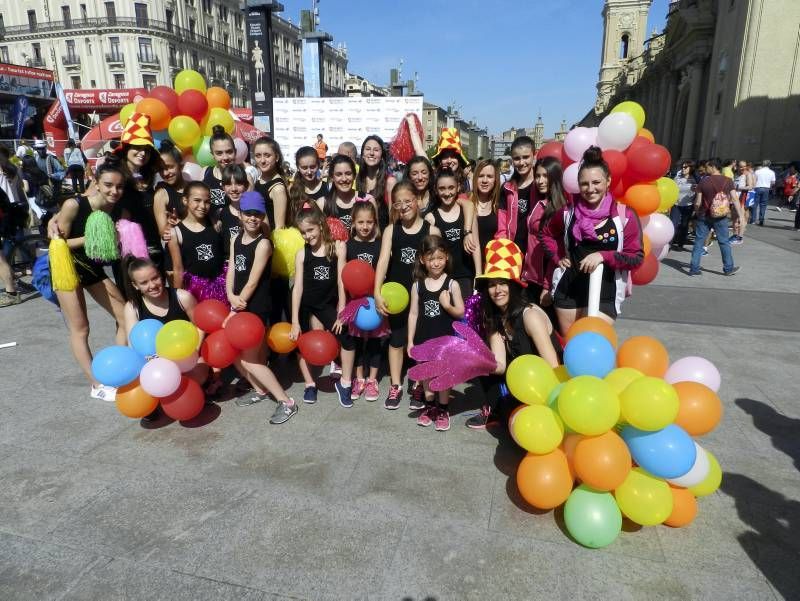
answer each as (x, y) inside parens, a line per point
(765, 179)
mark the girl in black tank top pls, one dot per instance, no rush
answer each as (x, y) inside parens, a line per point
(266, 189)
(341, 198)
(247, 253)
(214, 184)
(197, 250)
(174, 308)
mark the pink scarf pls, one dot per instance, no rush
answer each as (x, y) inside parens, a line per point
(586, 219)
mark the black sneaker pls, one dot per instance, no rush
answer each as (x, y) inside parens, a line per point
(417, 402)
(479, 420)
(733, 271)
(393, 398)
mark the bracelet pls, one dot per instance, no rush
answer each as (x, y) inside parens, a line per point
(467, 232)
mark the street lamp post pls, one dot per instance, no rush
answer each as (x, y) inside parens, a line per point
(259, 52)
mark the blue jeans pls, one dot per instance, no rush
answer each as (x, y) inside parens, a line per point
(759, 207)
(680, 217)
(701, 229)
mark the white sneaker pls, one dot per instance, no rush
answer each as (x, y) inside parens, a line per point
(103, 393)
(335, 371)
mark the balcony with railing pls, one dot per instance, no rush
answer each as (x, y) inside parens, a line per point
(176, 62)
(71, 61)
(148, 59)
(115, 58)
(36, 62)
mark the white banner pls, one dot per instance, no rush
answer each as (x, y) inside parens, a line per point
(299, 120)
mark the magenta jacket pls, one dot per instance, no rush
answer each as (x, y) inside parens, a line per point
(537, 268)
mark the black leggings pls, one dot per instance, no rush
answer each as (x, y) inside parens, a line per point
(368, 351)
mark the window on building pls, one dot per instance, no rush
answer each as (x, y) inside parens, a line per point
(212, 68)
(88, 43)
(623, 45)
(119, 81)
(191, 29)
(36, 48)
(169, 16)
(146, 50)
(225, 39)
(718, 104)
(141, 15)
(32, 20)
(207, 6)
(84, 14)
(71, 57)
(190, 2)
(93, 83)
(149, 82)
(75, 80)
(210, 32)
(4, 54)
(111, 13)
(194, 60)
(66, 16)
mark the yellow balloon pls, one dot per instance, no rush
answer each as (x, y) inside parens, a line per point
(177, 340)
(530, 379)
(287, 242)
(588, 405)
(667, 192)
(643, 498)
(189, 79)
(219, 116)
(126, 112)
(621, 377)
(712, 481)
(561, 373)
(538, 429)
(649, 403)
(184, 131)
(634, 109)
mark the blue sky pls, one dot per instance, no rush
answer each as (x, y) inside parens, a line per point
(501, 61)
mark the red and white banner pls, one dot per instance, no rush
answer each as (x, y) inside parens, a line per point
(30, 72)
(102, 100)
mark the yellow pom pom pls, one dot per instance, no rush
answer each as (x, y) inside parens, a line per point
(287, 243)
(62, 269)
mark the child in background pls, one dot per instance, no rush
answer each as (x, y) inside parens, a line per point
(235, 183)
(435, 303)
(247, 285)
(307, 184)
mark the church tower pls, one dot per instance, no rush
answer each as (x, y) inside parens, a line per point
(624, 34)
(538, 133)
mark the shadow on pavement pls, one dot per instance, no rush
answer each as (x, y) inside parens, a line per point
(782, 430)
(773, 543)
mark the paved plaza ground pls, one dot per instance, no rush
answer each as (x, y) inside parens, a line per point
(364, 504)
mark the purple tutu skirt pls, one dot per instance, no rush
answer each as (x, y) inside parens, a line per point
(207, 288)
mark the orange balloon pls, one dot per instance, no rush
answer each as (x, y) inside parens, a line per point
(700, 409)
(644, 353)
(602, 462)
(646, 133)
(647, 246)
(643, 198)
(568, 446)
(278, 338)
(133, 401)
(593, 324)
(157, 111)
(544, 481)
(218, 98)
(684, 507)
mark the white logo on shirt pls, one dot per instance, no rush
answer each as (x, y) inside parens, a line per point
(217, 197)
(408, 255)
(453, 234)
(523, 205)
(234, 231)
(322, 273)
(240, 262)
(366, 257)
(432, 308)
(347, 220)
(205, 252)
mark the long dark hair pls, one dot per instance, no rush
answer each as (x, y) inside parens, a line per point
(557, 198)
(330, 197)
(431, 175)
(276, 148)
(519, 143)
(148, 171)
(443, 174)
(431, 243)
(131, 264)
(297, 191)
(361, 179)
(493, 318)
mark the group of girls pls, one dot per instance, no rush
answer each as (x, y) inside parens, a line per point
(423, 232)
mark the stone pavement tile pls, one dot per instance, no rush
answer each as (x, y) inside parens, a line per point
(300, 546)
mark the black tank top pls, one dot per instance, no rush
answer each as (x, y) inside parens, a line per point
(218, 198)
(174, 310)
(487, 228)
(175, 200)
(453, 235)
(139, 205)
(242, 265)
(230, 227)
(344, 215)
(201, 252)
(321, 193)
(405, 248)
(265, 188)
(366, 251)
(519, 343)
(606, 238)
(78, 227)
(432, 320)
(320, 280)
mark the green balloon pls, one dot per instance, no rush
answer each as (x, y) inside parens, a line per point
(592, 517)
(395, 296)
(202, 152)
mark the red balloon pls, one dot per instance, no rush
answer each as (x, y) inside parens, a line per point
(245, 330)
(647, 271)
(338, 229)
(618, 189)
(358, 278)
(318, 347)
(168, 96)
(209, 315)
(186, 402)
(648, 162)
(617, 164)
(217, 351)
(193, 103)
(551, 149)
(638, 142)
(565, 160)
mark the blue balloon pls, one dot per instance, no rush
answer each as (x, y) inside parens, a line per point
(117, 366)
(368, 318)
(160, 136)
(143, 336)
(667, 453)
(589, 354)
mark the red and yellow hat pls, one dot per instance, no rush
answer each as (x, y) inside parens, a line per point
(137, 131)
(503, 261)
(450, 139)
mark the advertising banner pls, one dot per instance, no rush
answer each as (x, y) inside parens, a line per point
(311, 76)
(15, 79)
(102, 100)
(299, 120)
(20, 113)
(73, 135)
(260, 63)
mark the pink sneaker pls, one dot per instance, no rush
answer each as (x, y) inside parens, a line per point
(425, 418)
(442, 420)
(371, 392)
(358, 388)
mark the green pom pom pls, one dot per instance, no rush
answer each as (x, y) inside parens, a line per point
(100, 238)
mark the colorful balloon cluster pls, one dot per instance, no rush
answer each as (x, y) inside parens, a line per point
(358, 278)
(638, 166)
(620, 423)
(187, 114)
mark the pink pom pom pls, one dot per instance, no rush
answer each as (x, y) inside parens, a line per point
(131, 239)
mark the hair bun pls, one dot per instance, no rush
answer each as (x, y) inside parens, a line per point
(218, 130)
(593, 154)
(166, 146)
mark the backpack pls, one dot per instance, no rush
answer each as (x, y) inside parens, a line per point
(720, 204)
(41, 278)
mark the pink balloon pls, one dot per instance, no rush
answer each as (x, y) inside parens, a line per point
(188, 363)
(659, 229)
(694, 369)
(160, 377)
(241, 150)
(193, 171)
(578, 140)
(570, 179)
(662, 252)
(616, 131)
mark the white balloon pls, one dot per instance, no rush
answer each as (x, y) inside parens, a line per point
(578, 140)
(616, 131)
(241, 150)
(662, 252)
(697, 473)
(659, 229)
(193, 172)
(160, 377)
(570, 179)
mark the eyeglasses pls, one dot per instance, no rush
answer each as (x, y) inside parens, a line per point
(401, 204)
